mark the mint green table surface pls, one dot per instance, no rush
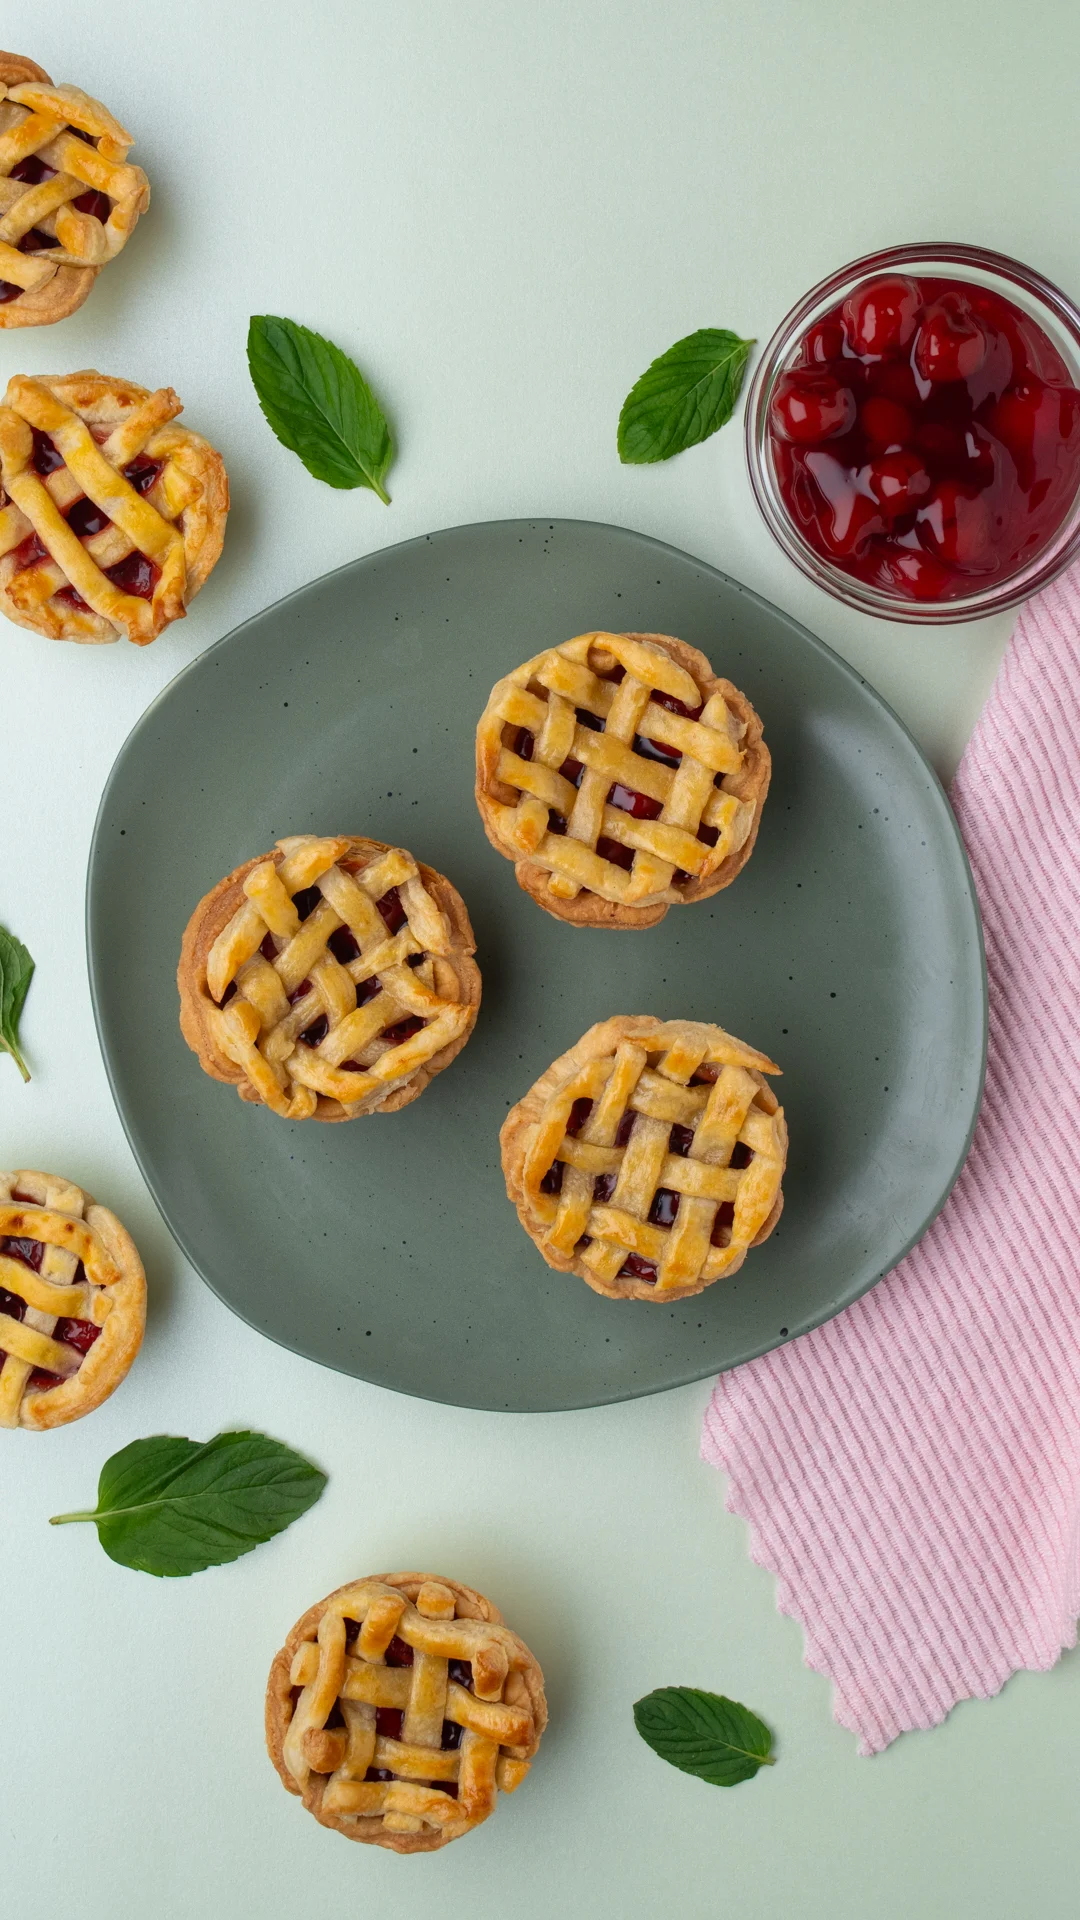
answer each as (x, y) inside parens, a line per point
(504, 212)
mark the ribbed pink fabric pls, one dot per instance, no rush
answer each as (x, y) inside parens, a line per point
(911, 1471)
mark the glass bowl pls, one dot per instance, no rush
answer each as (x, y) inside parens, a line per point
(1051, 309)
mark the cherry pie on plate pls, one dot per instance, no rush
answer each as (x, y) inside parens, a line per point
(649, 1158)
(72, 1301)
(399, 1706)
(621, 777)
(68, 198)
(111, 516)
(330, 978)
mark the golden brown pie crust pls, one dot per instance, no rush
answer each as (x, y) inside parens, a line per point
(189, 535)
(78, 1229)
(749, 784)
(70, 284)
(520, 1129)
(524, 1687)
(217, 908)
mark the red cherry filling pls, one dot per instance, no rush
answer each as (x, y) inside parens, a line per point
(28, 553)
(452, 1731)
(46, 457)
(317, 1031)
(142, 473)
(94, 202)
(612, 850)
(460, 1671)
(725, 1216)
(880, 316)
(344, 946)
(392, 911)
(579, 1113)
(136, 575)
(636, 1267)
(810, 405)
(85, 519)
(664, 1207)
(962, 458)
(404, 1030)
(30, 1252)
(951, 343)
(523, 744)
(680, 1140)
(399, 1653)
(628, 800)
(896, 482)
(603, 1188)
(388, 1722)
(741, 1155)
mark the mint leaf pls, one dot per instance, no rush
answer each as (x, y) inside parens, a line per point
(704, 1734)
(683, 397)
(16, 972)
(171, 1506)
(319, 404)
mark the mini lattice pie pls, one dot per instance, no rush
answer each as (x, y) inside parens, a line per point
(72, 1301)
(648, 1158)
(621, 777)
(111, 516)
(399, 1706)
(68, 199)
(330, 978)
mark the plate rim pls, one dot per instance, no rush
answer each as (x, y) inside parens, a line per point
(804, 633)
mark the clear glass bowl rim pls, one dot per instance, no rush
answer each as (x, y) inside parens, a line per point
(1039, 571)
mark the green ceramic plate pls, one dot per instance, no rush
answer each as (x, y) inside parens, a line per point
(849, 950)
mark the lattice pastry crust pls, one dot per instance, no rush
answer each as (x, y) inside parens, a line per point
(621, 776)
(415, 1679)
(330, 978)
(72, 1301)
(111, 516)
(68, 198)
(649, 1158)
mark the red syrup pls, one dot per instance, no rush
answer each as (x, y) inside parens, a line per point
(926, 438)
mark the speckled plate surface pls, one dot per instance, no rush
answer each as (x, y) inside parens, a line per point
(849, 949)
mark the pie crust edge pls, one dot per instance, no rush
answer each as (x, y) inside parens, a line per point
(279, 1704)
(214, 912)
(109, 1359)
(591, 909)
(515, 1132)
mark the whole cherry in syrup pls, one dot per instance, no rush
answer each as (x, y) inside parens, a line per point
(926, 437)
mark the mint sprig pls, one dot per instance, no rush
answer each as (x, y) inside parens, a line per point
(16, 973)
(319, 404)
(170, 1506)
(704, 1734)
(683, 397)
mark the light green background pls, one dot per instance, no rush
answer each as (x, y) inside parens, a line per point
(504, 212)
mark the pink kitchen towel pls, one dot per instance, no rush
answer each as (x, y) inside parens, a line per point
(911, 1471)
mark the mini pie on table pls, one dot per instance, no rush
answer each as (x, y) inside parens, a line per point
(399, 1706)
(72, 1301)
(621, 776)
(111, 516)
(649, 1158)
(68, 198)
(330, 978)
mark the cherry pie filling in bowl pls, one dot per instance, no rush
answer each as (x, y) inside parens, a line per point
(920, 433)
(648, 1159)
(333, 981)
(400, 1707)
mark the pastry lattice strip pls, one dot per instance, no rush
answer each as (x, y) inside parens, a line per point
(612, 1130)
(421, 1778)
(353, 1006)
(51, 1215)
(59, 147)
(48, 556)
(688, 797)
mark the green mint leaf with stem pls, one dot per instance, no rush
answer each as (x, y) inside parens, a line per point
(170, 1506)
(319, 404)
(683, 397)
(704, 1734)
(16, 973)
